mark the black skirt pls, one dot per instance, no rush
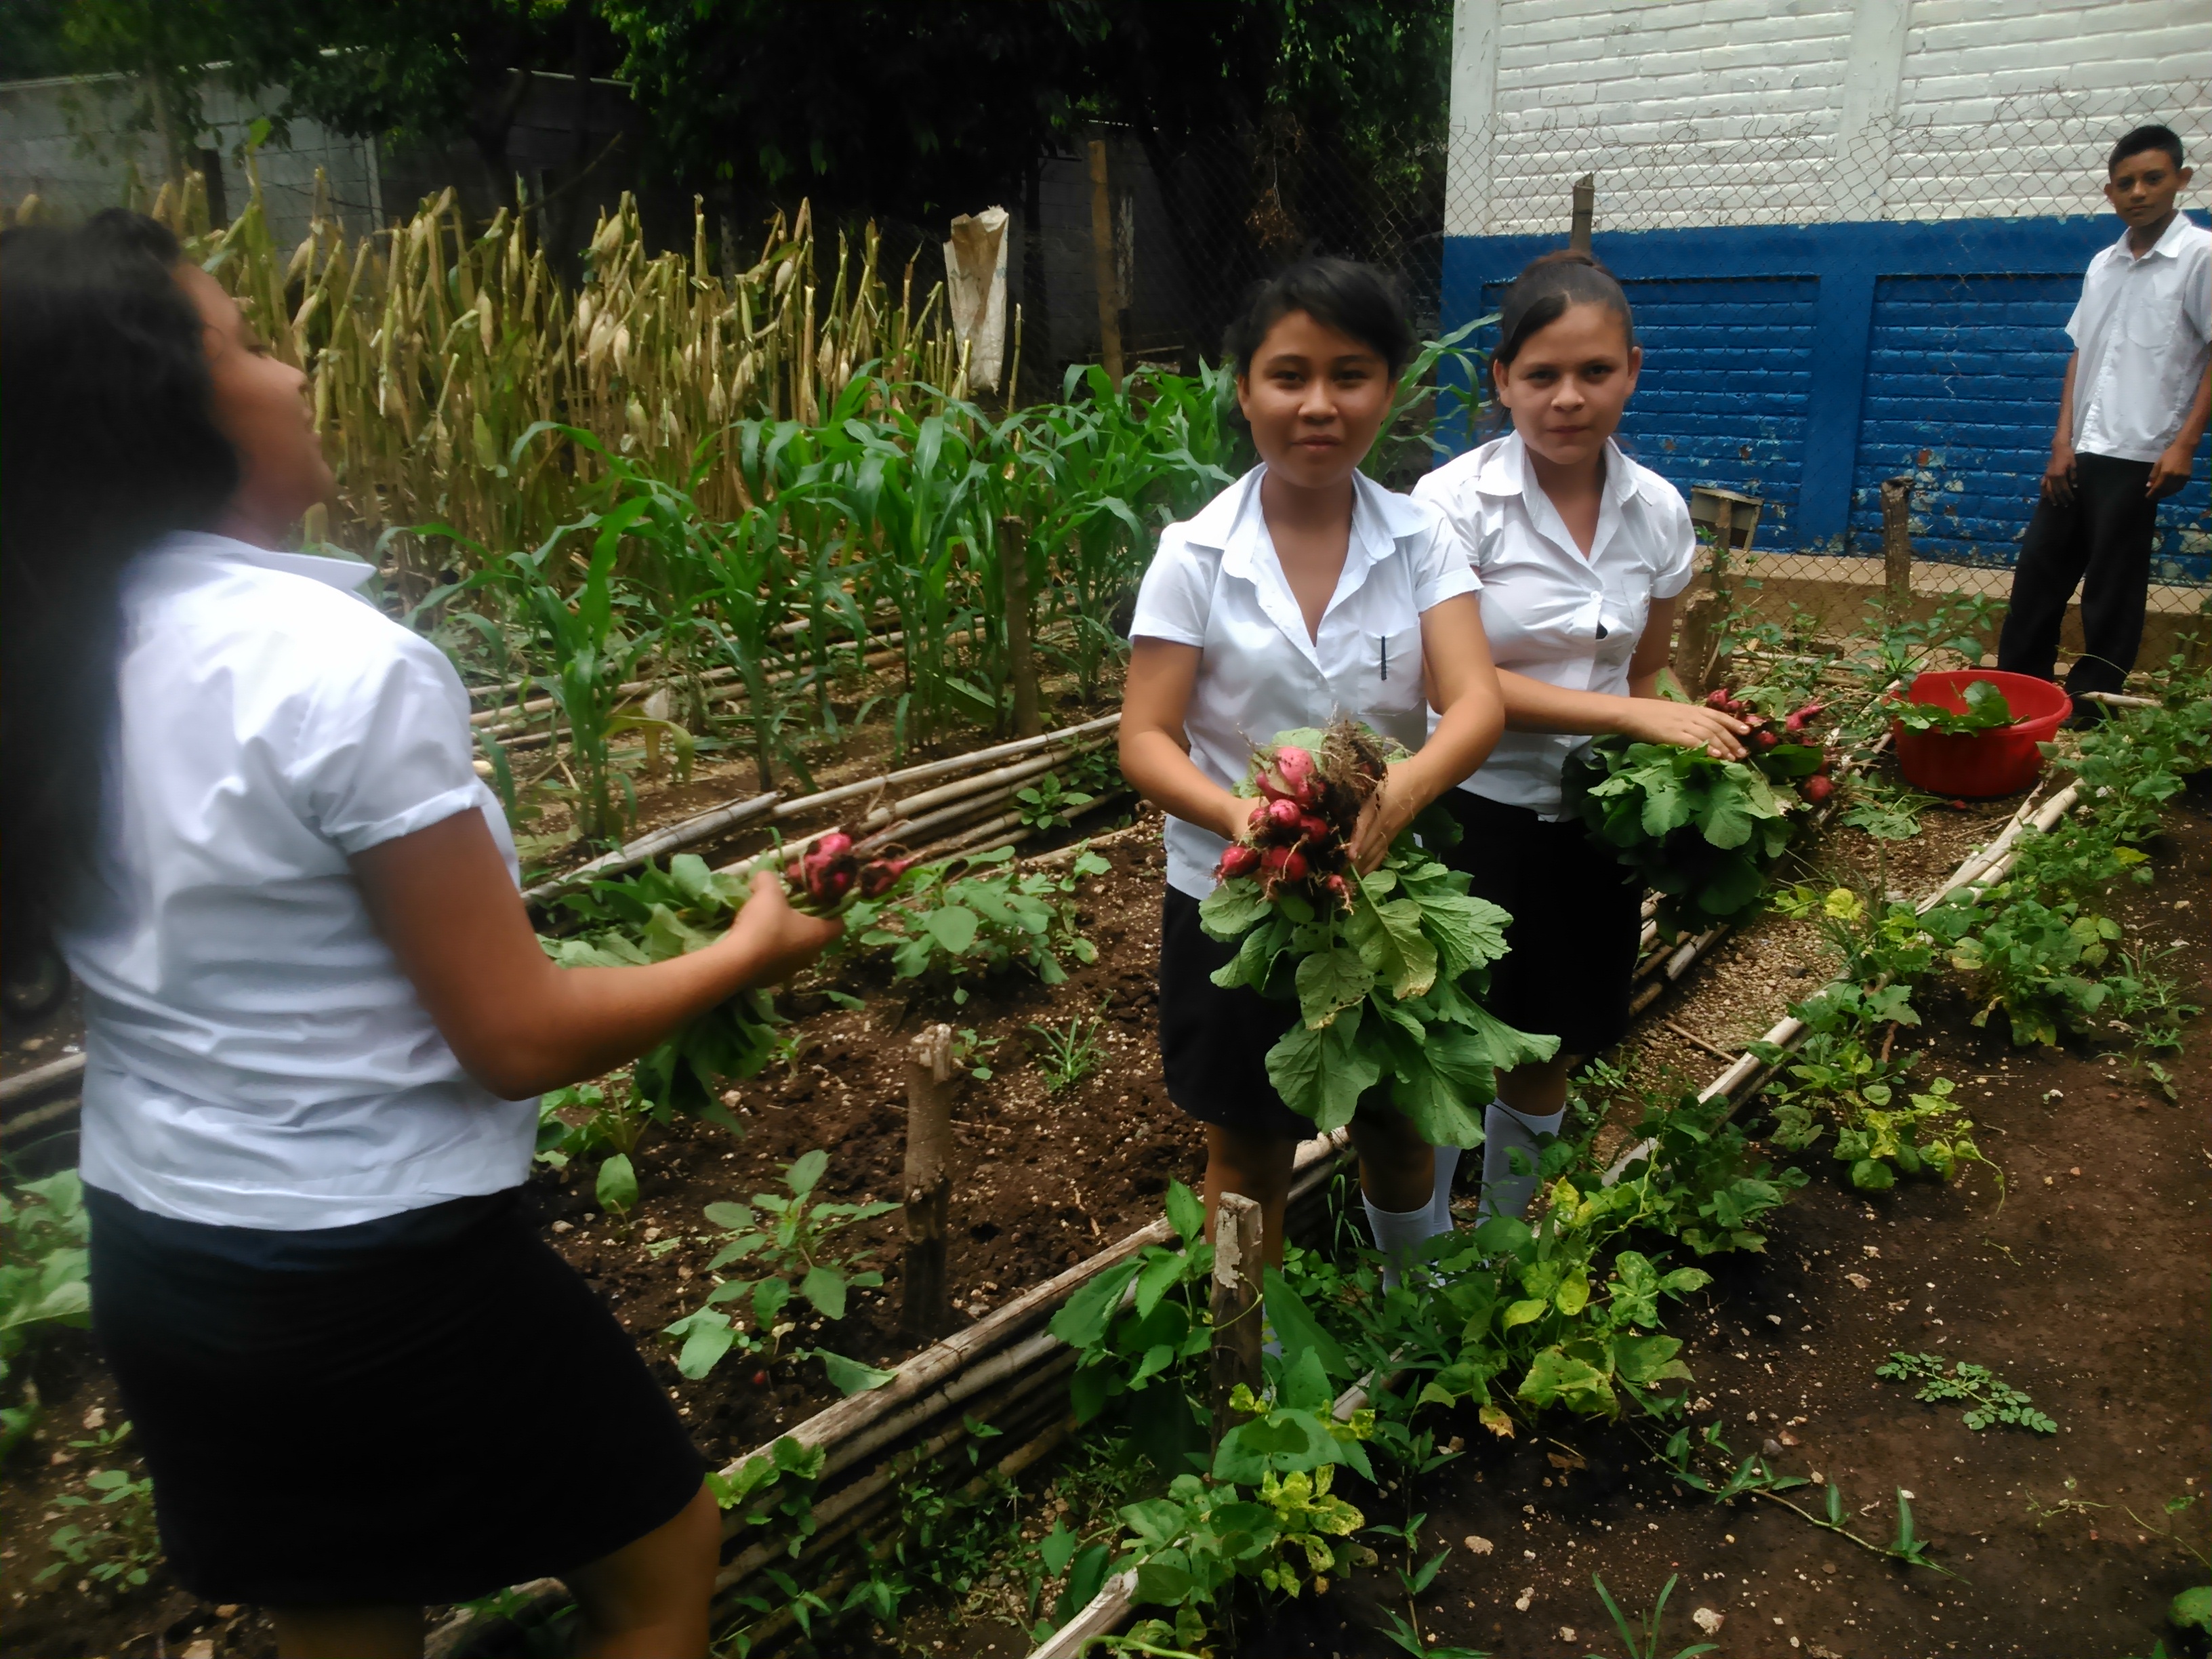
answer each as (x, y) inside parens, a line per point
(417, 1409)
(1214, 1043)
(1576, 916)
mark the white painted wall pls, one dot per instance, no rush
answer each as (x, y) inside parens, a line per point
(1788, 112)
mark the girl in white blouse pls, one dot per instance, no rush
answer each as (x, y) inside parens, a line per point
(243, 802)
(1303, 590)
(1582, 553)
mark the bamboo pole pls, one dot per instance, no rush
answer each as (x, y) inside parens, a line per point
(927, 1309)
(1789, 1031)
(1237, 1257)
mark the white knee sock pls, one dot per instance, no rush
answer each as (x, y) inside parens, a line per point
(1440, 1203)
(1399, 1234)
(1507, 1132)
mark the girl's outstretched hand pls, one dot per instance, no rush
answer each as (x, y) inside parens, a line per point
(774, 940)
(1687, 725)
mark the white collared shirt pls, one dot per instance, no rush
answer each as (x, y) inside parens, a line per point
(2143, 327)
(1216, 583)
(1550, 612)
(254, 1055)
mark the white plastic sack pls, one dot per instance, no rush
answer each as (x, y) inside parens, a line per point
(976, 284)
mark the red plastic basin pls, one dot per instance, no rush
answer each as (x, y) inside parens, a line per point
(2003, 761)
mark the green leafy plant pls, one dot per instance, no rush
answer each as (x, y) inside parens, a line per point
(972, 1054)
(44, 1266)
(1702, 832)
(652, 916)
(1135, 1361)
(2029, 959)
(1385, 968)
(1069, 1053)
(1048, 804)
(1643, 1638)
(1989, 1398)
(979, 918)
(1877, 1134)
(787, 1236)
(117, 1542)
(1268, 1514)
(1985, 710)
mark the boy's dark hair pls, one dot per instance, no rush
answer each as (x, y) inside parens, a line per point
(1349, 297)
(2144, 138)
(1544, 290)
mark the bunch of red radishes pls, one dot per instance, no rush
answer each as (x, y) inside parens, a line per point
(1310, 800)
(830, 872)
(1762, 737)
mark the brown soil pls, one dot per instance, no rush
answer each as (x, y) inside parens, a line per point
(2085, 1288)
(1052, 1177)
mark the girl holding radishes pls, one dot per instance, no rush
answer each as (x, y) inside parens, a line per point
(1302, 592)
(1582, 554)
(243, 802)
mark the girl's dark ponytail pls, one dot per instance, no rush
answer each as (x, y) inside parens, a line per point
(108, 443)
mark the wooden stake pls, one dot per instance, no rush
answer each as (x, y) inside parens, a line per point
(1693, 645)
(1102, 265)
(1236, 1264)
(1897, 546)
(1021, 665)
(928, 1307)
(1579, 232)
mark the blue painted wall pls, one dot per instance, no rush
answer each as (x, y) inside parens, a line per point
(1804, 364)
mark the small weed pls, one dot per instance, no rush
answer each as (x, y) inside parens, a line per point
(1644, 1638)
(1989, 1398)
(970, 1054)
(1048, 804)
(788, 1236)
(117, 1543)
(1069, 1053)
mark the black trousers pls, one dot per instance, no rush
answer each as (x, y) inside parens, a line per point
(2100, 541)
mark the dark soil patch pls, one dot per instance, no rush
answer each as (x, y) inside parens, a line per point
(1047, 1178)
(2086, 1288)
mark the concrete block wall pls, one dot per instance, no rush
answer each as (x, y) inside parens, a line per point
(1853, 230)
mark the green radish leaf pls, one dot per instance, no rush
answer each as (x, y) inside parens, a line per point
(1082, 1323)
(1299, 1331)
(1157, 1277)
(850, 1377)
(1186, 1213)
(706, 1338)
(1330, 982)
(825, 1288)
(952, 927)
(616, 1188)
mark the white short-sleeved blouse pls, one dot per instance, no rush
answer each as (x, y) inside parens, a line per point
(1552, 613)
(1216, 583)
(254, 1055)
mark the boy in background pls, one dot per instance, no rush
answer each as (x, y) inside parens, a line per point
(2136, 397)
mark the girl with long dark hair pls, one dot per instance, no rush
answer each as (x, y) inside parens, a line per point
(243, 804)
(1582, 554)
(1303, 590)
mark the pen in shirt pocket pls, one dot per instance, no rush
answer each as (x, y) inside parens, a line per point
(1383, 654)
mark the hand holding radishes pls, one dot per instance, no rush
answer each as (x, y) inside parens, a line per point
(1386, 963)
(1688, 726)
(1700, 826)
(775, 939)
